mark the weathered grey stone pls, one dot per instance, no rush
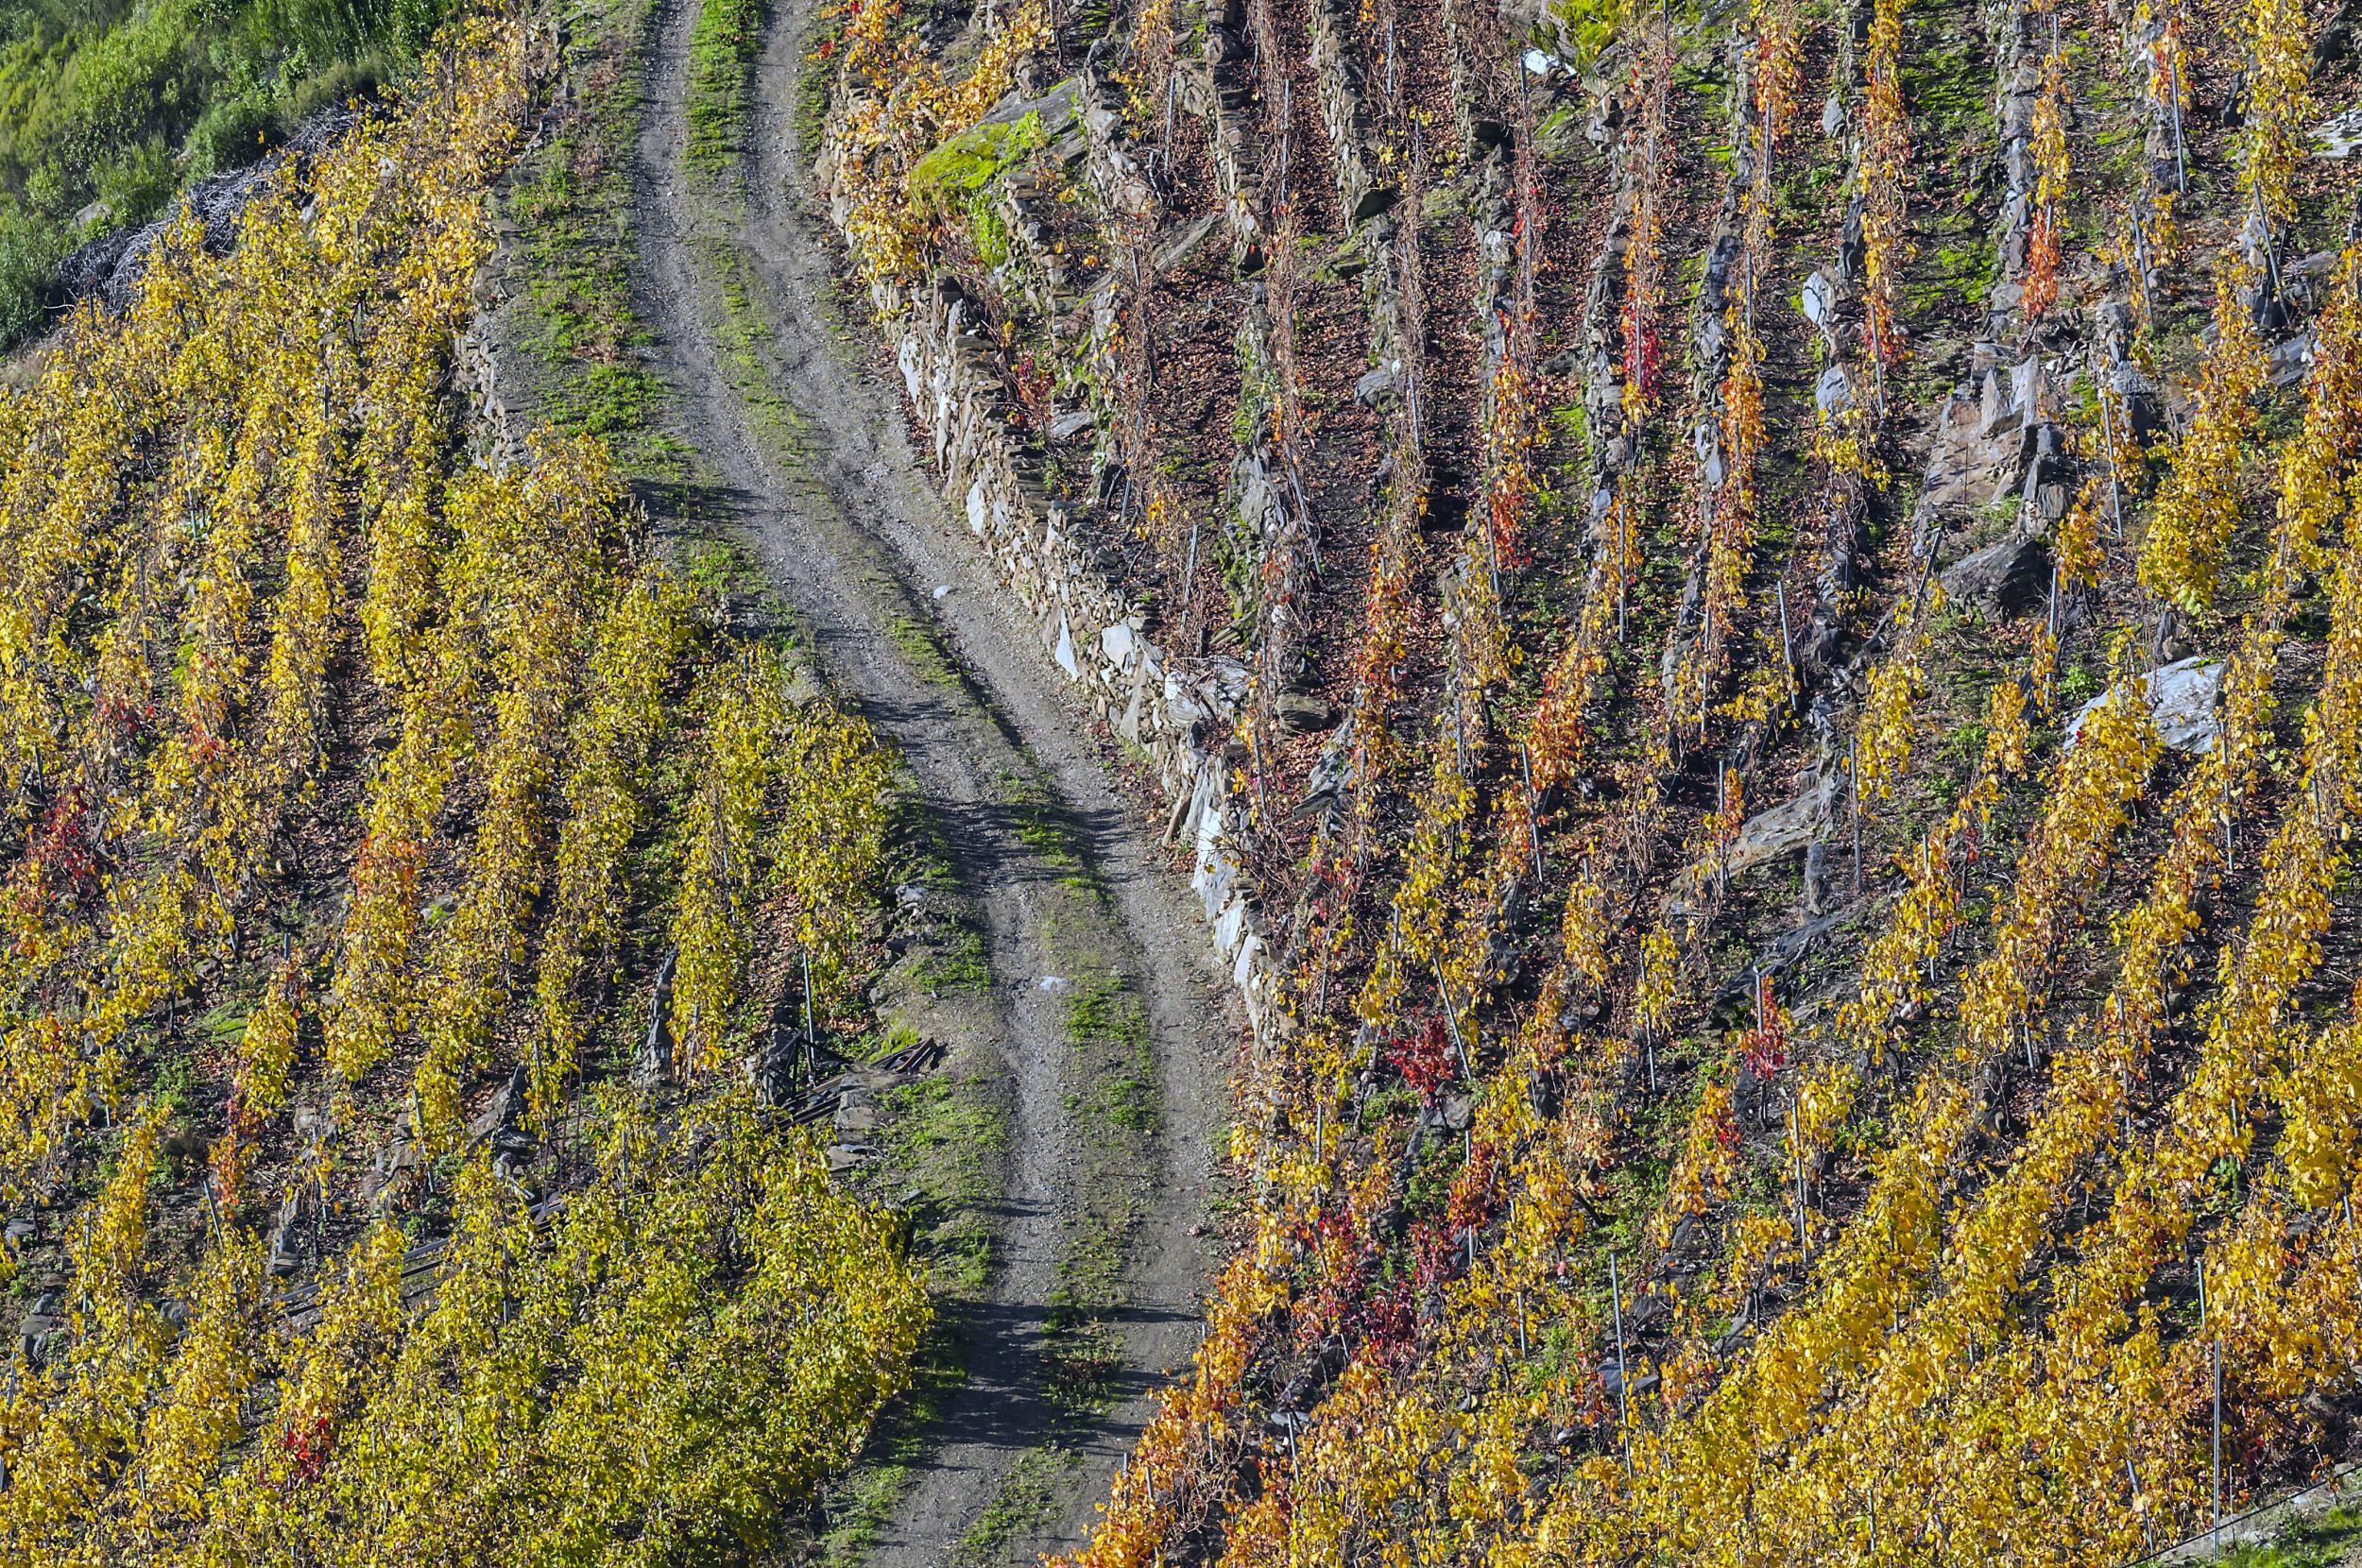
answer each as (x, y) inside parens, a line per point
(34, 1334)
(1817, 876)
(2338, 136)
(2292, 358)
(2008, 576)
(1819, 299)
(653, 1063)
(1184, 246)
(1705, 440)
(1832, 393)
(1783, 830)
(2183, 699)
(1965, 467)
(286, 1253)
(1999, 410)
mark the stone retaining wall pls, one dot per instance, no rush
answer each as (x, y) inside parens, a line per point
(1177, 713)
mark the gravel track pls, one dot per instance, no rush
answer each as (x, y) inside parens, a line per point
(856, 541)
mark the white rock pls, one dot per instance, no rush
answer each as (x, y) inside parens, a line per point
(2182, 699)
(1230, 927)
(909, 360)
(2338, 137)
(1819, 299)
(1833, 393)
(1250, 959)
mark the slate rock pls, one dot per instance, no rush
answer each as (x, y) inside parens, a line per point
(1301, 713)
(2183, 698)
(1782, 831)
(1833, 394)
(2291, 360)
(2339, 136)
(653, 1063)
(1819, 299)
(2010, 577)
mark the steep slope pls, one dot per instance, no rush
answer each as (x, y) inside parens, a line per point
(410, 881)
(1751, 616)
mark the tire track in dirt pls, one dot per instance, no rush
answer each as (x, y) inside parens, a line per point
(857, 542)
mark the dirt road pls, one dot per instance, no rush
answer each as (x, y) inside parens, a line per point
(857, 541)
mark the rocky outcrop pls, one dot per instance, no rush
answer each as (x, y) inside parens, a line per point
(109, 267)
(2007, 577)
(2185, 702)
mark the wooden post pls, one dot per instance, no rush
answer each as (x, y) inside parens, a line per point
(2115, 496)
(1533, 825)
(1188, 573)
(1623, 1369)
(1286, 129)
(2180, 163)
(1796, 1141)
(1706, 645)
(2148, 1533)
(1787, 650)
(2218, 1360)
(1451, 1021)
(1492, 547)
(1621, 550)
(1927, 873)
(1853, 779)
(1721, 803)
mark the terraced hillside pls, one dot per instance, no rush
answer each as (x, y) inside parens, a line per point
(1751, 617)
(669, 697)
(433, 913)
